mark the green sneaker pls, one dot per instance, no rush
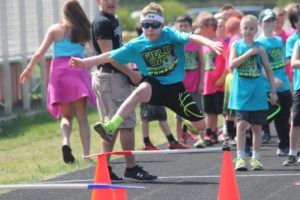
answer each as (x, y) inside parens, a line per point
(192, 129)
(103, 130)
(256, 164)
(240, 164)
(200, 143)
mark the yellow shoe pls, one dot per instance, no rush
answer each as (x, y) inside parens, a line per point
(200, 143)
(256, 164)
(192, 129)
(240, 164)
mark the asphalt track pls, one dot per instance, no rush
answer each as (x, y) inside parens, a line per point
(185, 177)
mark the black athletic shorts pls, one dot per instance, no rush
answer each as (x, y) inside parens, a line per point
(213, 103)
(258, 117)
(175, 97)
(296, 109)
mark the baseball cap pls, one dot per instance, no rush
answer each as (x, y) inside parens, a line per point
(267, 14)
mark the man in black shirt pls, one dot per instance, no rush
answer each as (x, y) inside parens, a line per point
(112, 87)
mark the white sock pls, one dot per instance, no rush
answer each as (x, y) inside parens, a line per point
(256, 155)
(293, 152)
(240, 154)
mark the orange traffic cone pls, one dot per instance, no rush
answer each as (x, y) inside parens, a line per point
(228, 188)
(120, 194)
(102, 176)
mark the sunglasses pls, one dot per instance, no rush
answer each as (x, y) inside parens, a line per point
(154, 25)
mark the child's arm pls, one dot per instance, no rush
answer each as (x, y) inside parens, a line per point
(39, 53)
(90, 61)
(216, 46)
(295, 61)
(102, 59)
(235, 61)
(269, 73)
(221, 79)
(201, 63)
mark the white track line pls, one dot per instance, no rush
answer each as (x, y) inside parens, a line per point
(237, 175)
(184, 177)
(66, 186)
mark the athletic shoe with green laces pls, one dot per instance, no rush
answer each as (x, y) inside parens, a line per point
(256, 164)
(200, 143)
(104, 131)
(191, 128)
(240, 164)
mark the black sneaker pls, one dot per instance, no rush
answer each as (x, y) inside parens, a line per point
(67, 154)
(291, 161)
(113, 177)
(138, 174)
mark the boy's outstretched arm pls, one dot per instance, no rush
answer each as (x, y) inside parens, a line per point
(90, 61)
(216, 46)
(269, 73)
(295, 60)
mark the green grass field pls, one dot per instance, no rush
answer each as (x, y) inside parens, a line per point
(30, 147)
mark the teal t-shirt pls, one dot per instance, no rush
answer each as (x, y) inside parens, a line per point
(247, 91)
(297, 73)
(290, 45)
(163, 59)
(275, 52)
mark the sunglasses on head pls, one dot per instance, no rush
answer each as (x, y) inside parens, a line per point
(153, 25)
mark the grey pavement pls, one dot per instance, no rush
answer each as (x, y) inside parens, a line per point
(185, 176)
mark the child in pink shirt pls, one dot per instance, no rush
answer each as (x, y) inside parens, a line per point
(193, 80)
(213, 93)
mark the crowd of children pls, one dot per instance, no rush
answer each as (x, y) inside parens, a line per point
(253, 80)
(215, 65)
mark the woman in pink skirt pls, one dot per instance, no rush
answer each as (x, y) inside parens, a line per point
(68, 88)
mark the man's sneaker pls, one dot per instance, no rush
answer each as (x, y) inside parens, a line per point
(200, 143)
(291, 161)
(138, 174)
(266, 138)
(240, 164)
(256, 164)
(283, 151)
(113, 177)
(248, 151)
(103, 131)
(178, 145)
(150, 146)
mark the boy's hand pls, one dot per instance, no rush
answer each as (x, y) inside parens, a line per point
(278, 82)
(217, 47)
(136, 77)
(254, 50)
(274, 97)
(76, 62)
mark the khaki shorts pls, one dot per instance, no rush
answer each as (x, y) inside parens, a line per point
(111, 90)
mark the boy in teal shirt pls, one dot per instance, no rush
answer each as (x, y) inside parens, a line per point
(274, 48)
(159, 56)
(248, 96)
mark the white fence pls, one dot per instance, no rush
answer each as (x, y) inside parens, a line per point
(22, 27)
